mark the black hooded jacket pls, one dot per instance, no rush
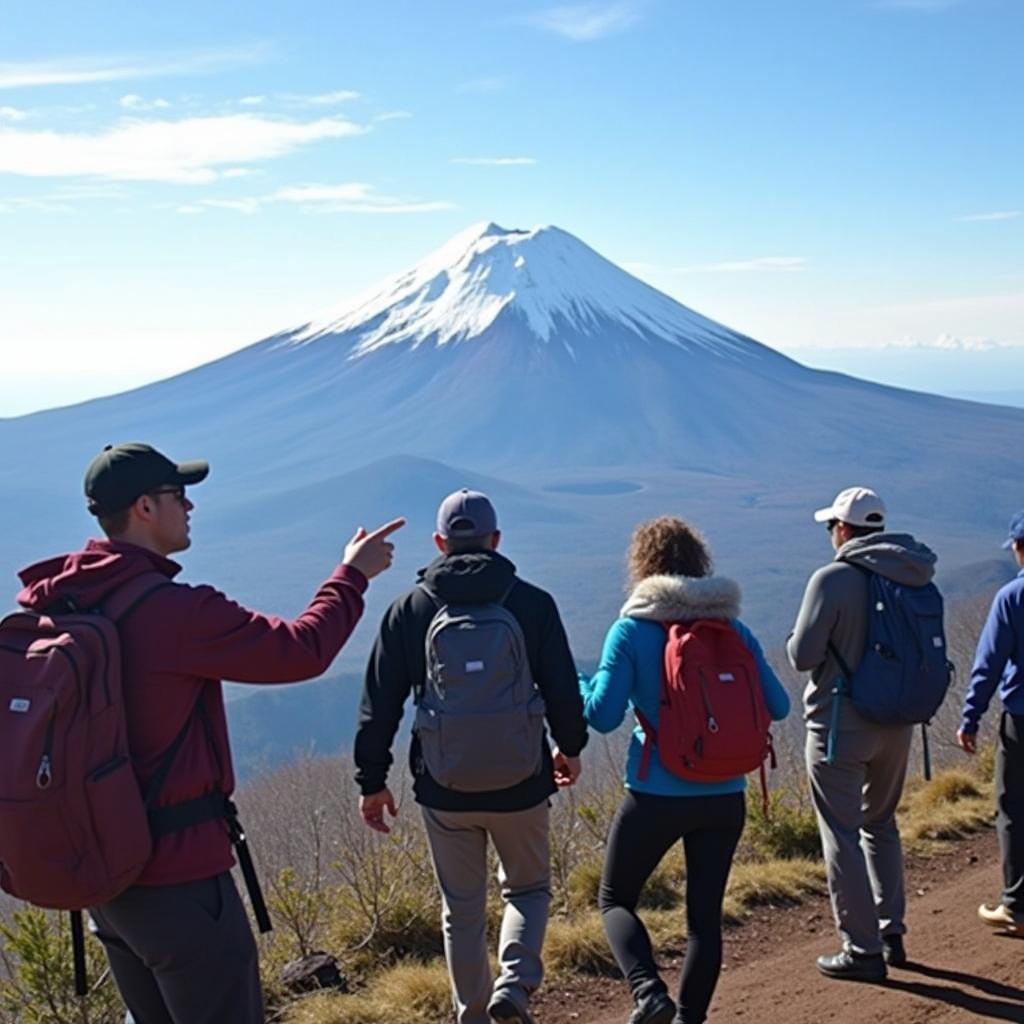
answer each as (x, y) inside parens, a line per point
(397, 667)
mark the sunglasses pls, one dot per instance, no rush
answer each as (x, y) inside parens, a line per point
(831, 525)
(178, 493)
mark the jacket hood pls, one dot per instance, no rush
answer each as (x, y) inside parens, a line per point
(897, 556)
(89, 576)
(672, 598)
(476, 577)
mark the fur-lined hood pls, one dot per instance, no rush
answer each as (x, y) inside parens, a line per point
(671, 598)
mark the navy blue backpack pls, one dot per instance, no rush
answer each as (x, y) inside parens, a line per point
(904, 674)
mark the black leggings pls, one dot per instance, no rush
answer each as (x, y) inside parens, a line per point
(644, 830)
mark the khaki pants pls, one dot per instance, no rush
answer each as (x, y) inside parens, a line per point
(458, 846)
(855, 800)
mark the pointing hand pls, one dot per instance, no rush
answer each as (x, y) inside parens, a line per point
(372, 553)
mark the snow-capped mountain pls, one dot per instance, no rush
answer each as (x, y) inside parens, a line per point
(545, 277)
(583, 399)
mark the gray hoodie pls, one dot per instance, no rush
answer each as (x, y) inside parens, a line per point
(835, 608)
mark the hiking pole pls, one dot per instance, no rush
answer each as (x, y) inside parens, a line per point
(926, 752)
(78, 953)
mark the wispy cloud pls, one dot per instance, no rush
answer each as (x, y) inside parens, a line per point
(184, 152)
(495, 161)
(760, 264)
(585, 22)
(252, 101)
(348, 197)
(85, 70)
(994, 215)
(324, 99)
(138, 103)
(926, 6)
(393, 115)
(487, 84)
(946, 343)
(13, 114)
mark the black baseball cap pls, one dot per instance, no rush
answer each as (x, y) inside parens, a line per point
(123, 472)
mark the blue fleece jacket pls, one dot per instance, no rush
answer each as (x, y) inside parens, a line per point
(999, 660)
(630, 676)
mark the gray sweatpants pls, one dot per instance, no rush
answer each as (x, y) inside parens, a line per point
(458, 846)
(183, 954)
(855, 801)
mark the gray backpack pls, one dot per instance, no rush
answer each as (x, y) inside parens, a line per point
(480, 717)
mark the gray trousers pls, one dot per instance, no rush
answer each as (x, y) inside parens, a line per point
(855, 801)
(458, 846)
(183, 954)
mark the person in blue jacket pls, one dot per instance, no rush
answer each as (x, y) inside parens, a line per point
(671, 581)
(999, 663)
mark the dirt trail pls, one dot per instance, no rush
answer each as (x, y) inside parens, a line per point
(960, 971)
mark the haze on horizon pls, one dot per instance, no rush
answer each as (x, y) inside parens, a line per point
(838, 181)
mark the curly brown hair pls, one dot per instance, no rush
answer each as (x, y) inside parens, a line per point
(667, 546)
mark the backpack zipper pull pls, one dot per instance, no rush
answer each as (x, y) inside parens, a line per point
(45, 775)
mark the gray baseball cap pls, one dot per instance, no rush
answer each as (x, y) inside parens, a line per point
(467, 514)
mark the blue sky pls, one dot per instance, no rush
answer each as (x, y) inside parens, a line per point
(828, 176)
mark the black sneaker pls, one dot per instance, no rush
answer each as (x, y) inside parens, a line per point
(656, 1008)
(502, 1010)
(893, 951)
(853, 966)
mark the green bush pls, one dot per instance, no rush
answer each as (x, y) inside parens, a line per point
(789, 830)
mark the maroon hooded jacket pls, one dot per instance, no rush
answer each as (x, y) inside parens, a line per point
(177, 647)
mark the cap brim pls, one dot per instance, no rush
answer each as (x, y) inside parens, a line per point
(1007, 544)
(823, 515)
(188, 473)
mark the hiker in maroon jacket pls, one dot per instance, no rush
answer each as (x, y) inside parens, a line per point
(179, 943)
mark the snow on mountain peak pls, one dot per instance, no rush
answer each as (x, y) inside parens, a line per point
(545, 275)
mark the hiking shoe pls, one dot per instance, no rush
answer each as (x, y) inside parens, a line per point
(1001, 917)
(657, 1008)
(503, 1010)
(853, 966)
(893, 951)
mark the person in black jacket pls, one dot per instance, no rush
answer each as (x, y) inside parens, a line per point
(460, 817)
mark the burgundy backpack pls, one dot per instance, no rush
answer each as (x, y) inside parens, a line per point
(76, 829)
(712, 719)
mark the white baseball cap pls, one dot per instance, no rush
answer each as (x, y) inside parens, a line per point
(857, 506)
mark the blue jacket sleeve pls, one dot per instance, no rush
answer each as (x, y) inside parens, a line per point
(775, 696)
(995, 648)
(606, 695)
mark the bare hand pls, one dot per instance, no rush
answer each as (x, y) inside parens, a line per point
(567, 769)
(370, 553)
(372, 809)
(968, 741)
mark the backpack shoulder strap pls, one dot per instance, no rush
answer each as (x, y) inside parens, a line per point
(123, 601)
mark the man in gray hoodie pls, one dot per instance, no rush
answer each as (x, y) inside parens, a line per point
(855, 792)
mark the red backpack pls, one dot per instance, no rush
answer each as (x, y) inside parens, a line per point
(73, 822)
(712, 719)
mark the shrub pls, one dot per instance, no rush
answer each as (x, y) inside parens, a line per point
(788, 830)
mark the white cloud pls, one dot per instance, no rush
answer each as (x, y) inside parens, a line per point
(326, 99)
(496, 161)
(994, 215)
(393, 115)
(137, 103)
(86, 70)
(182, 152)
(927, 6)
(586, 22)
(252, 101)
(13, 114)
(946, 343)
(759, 264)
(238, 172)
(190, 209)
(492, 83)
(349, 197)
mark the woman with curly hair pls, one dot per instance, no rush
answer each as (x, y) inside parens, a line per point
(670, 581)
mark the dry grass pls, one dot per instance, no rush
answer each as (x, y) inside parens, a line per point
(953, 805)
(577, 946)
(765, 883)
(410, 993)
